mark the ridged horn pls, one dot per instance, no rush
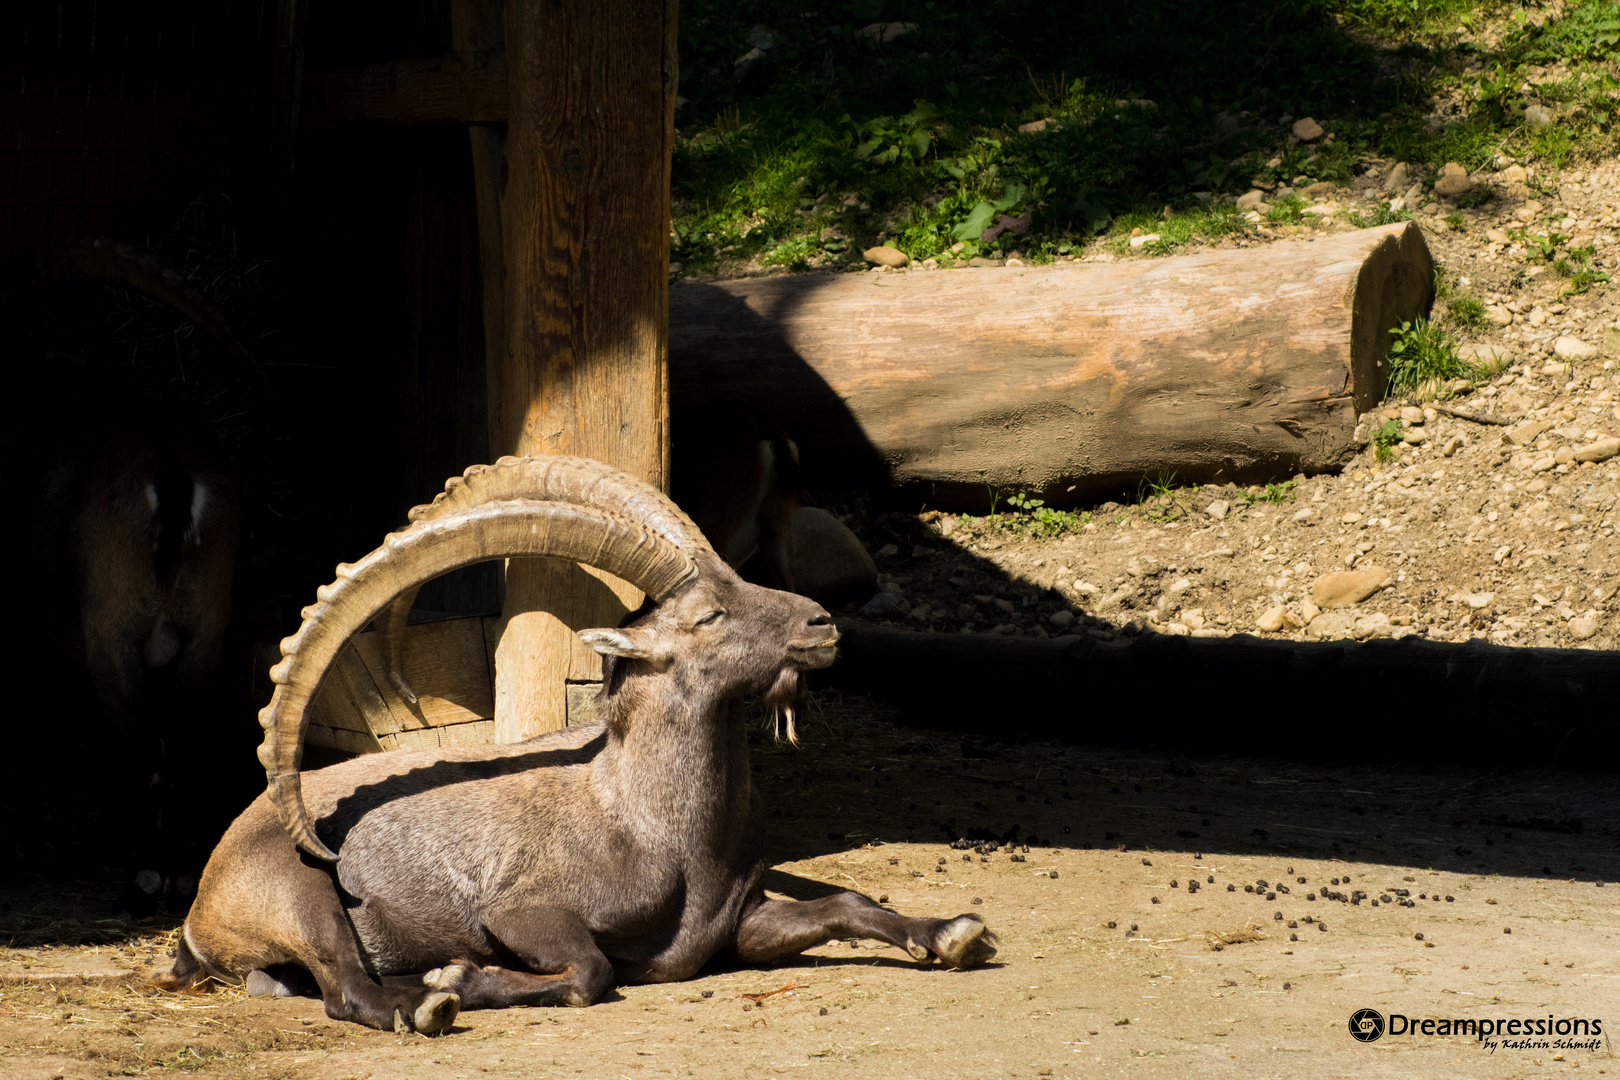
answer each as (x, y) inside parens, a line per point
(515, 528)
(546, 478)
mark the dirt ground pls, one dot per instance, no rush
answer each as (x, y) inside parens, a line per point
(1489, 530)
(1108, 964)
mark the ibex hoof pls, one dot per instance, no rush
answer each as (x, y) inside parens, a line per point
(965, 942)
(436, 1013)
(917, 950)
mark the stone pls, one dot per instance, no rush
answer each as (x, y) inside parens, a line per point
(1476, 601)
(1272, 620)
(887, 604)
(1342, 588)
(1307, 130)
(1525, 434)
(1350, 518)
(1035, 127)
(1602, 450)
(885, 256)
(1251, 200)
(1498, 315)
(1583, 627)
(1477, 354)
(1144, 240)
(884, 32)
(1218, 509)
(1414, 436)
(1331, 624)
(1498, 235)
(1398, 177)
(1573, 348)
(1452, 445)
(1539, 116)
(1412, 195)
(1176, 629)
(830, 564)
(1320, 209)
(1514, 174)
(1303, 517)
(1061, 619)
(1449, 187)
(1308, 611)
(1412, 414)
(1376, 625)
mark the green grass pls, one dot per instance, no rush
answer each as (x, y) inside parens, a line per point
(1422, 356)
(828, 144)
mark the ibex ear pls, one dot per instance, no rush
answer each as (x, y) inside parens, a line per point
(632, 643)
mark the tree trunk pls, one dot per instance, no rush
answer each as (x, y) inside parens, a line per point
(1068, 381)
(581, 369)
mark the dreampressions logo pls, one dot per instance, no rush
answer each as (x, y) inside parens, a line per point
(1529, 1033)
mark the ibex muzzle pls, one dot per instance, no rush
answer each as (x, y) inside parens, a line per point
(624, 851)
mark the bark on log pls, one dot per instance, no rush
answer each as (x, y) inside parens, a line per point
(1068, 381)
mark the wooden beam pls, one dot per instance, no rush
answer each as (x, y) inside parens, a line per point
(585, 244)
(465, 87)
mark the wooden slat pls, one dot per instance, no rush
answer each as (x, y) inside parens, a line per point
(446, 664)
(476, 733)
(362, 688)
(458, 88)
(353, 742)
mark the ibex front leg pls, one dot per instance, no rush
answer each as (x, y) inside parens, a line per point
(564, 965)
(772, 929)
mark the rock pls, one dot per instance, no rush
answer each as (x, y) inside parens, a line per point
(1525, 434)
(1572, 348)
(1343, 588)
(1498, 315)
(1350, 518)
(1477, 354)
(1086, 588)
(1413, 195)
(1308, 611)
(1397, 178)
(885, 32)
(1564, 455)
(887, 604)
(1412, 414)
(1179, 586)
(1514, 174)
(1602, 450)
(1321, 209)
(1476, 601)
(1251, 200)
(885, 256)
(1144, 239)
(1498, 235)
(1307, 130)
(1583, 626)
(1539, 116)
(1376, 625)
(1217, 509)
(1331, 624)
(1452, 445)
(830, 563)
(918, 551)
(1272, 620)
(1175, 629)
(980, 260)
(886, 550)
(1414, 436)
(1318, 191)
(1449, 187)
(1036, 126)
(1061, 619)
(1303, 517)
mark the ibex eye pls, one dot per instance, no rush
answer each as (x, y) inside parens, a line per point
(710, 618)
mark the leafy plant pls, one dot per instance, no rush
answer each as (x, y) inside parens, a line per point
(884, 139)
(1277, 493)
(1385, 438)
(1423, 354)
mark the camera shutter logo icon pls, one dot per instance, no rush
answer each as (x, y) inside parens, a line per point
(1367, 1025)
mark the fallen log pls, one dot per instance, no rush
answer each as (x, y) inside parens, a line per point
(1409, 700)
(1066, 381)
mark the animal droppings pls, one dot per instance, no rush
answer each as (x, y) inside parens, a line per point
(1278, 916)
(1174, 884)
(1231, 888)
(1417, 937)
(1155, 899)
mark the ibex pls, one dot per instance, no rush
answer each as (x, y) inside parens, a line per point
(630, 850)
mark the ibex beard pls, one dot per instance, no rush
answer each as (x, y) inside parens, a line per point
(410, 886)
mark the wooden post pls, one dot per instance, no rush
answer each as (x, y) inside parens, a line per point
(581, 364)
